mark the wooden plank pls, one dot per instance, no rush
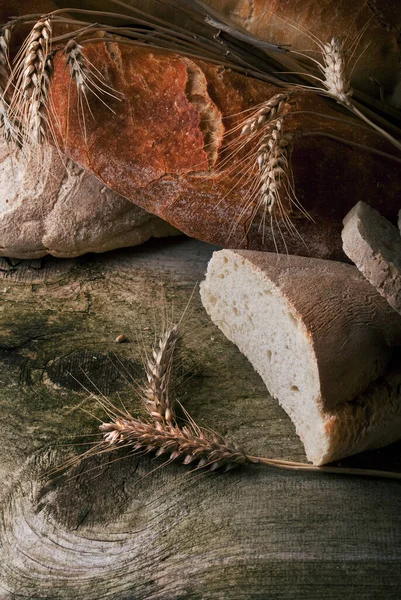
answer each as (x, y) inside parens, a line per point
(109, 532)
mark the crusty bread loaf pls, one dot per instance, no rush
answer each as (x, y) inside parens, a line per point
(374, 245)
(51, 206)
(164, 150)
(321, 338)
(298, 23)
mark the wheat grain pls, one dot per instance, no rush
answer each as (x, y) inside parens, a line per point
(158, 372)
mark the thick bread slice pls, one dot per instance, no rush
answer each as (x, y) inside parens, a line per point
(318, 334)
(374, 245)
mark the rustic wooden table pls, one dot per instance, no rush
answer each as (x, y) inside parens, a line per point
(103, 531)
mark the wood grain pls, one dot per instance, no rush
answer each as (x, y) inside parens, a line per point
(104, 531)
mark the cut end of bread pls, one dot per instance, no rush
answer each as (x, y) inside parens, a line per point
(246, 296)
(374, 245)
(250, 311)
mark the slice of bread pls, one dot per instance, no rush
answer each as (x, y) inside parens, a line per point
(318, 334)
(374, 245)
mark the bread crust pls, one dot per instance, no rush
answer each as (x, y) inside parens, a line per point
(49, 205)
(153, 151)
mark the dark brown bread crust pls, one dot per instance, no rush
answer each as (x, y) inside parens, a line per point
(152, 150)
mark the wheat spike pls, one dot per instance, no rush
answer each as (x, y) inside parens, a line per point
(5, 38)
(37, 116)
(35, 71)
(273, 164)
(270, 110)
(336, 78)
(11, 128)
(77, 63)
(158, 372)
(35, 58)
(187, 444)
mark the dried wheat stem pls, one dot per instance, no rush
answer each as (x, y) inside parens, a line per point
(298, 466)
(272, 161)
(188, 444)
(270, 110)
(158, 372)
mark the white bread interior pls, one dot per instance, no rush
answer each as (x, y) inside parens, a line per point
(374, 245)
(318, 334)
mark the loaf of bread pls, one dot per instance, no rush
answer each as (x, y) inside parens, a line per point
(166, 147)
(374, 245)
(49, 205)
(321, 338)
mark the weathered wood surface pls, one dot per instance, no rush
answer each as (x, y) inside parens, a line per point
(109, 533)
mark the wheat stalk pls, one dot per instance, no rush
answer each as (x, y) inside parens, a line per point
(158, 372)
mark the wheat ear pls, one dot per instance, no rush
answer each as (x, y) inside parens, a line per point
(270, 110)
(5, 38)
(272, 161)
(35, 70)
(11, 127)
(78, 65)
(157, 400)
(37, 117)
(186, 443)
(336, 79)
(337, 84)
